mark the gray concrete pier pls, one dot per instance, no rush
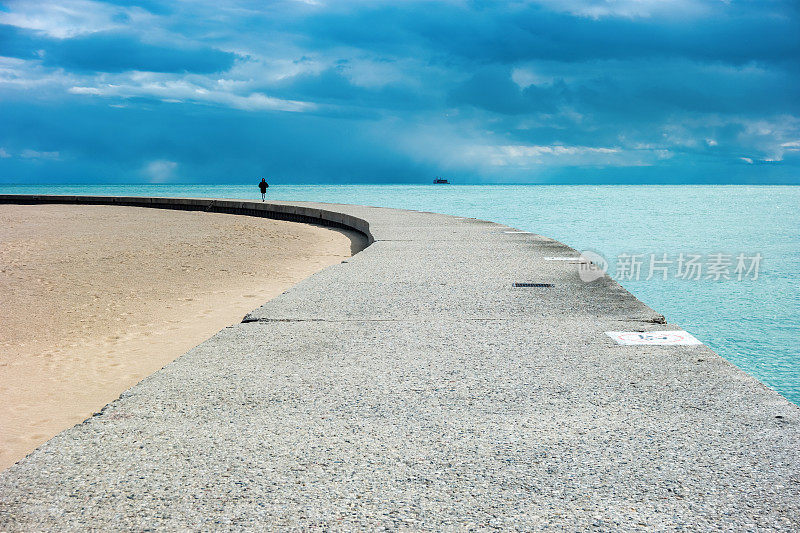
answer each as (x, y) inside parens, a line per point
(414, 387)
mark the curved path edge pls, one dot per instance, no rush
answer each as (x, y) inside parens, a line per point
(414, 386)
(279, 211)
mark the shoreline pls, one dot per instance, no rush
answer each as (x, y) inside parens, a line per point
(414, 386)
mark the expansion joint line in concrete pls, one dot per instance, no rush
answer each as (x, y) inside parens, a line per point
(658, 319)
(425, 319)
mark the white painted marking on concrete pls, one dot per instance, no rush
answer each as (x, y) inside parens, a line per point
(515, 231)
(576, 258)
(653, 338)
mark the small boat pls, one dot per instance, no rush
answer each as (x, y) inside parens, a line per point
(440, 181)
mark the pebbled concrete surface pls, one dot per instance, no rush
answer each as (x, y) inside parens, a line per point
(413, 388)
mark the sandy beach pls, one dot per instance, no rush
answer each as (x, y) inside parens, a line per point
(94, 298)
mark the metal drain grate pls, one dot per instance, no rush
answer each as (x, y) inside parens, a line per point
(533, 285)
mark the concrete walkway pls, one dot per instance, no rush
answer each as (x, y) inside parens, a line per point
(412, 387)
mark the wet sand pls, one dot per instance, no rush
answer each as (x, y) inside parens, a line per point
(95, 298)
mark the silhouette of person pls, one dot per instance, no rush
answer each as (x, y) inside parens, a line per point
(263, 186)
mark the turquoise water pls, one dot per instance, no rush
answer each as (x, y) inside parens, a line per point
(754, 323)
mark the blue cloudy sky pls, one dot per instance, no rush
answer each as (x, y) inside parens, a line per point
(548, 91)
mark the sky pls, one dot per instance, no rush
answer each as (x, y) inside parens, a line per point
(317, 91)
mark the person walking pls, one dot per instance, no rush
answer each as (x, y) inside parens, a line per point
(263, 186)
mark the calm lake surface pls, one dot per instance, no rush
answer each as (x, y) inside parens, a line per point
(754, 323)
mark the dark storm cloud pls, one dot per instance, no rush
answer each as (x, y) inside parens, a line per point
(497, 33)
(111, 52)
(15, 42)
(236, 144)
(118, 53)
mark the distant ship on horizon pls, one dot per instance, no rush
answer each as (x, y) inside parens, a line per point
(440, 181)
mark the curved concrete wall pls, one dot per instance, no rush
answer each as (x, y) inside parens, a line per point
(278, 211)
